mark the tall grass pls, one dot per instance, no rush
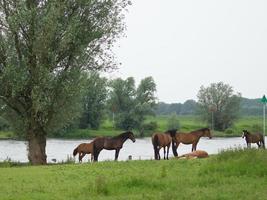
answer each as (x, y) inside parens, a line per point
(234, 174)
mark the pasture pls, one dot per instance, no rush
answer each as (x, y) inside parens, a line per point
(234, 174)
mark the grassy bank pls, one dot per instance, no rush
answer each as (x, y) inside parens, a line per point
(229, 175)
(187, 123)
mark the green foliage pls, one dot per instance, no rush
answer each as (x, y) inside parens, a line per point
(173, 122)
(219, 99)
(150, 126)
(45, 46)
(131, 105)
(4, 125)
(94, 101)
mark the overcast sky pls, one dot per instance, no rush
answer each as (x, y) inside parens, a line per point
(184, 44)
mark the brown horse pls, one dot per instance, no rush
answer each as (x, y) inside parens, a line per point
(188, 138)
(83, 149)
(160, 140)
(111, 143)
(253, 138)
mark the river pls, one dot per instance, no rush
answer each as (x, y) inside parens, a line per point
(142, 149)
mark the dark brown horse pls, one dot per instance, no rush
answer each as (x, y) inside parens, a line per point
(83, 149)
(253, 138)
(161, 140)
(111, 143)
(188, 138)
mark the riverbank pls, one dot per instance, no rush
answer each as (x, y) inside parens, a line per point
(187, 124)
(235, 174)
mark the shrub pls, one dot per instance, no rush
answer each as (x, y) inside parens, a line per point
(173, 122)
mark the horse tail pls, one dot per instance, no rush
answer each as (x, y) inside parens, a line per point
(155, 142)
(75, 151)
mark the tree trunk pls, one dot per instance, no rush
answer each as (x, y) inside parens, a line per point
(36, 147)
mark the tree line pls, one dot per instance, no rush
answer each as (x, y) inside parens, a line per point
(248, 107)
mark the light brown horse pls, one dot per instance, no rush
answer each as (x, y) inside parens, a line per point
(111, 143)
(83, 149)
(161, 140)
(195, 154)
(188, 138)
(253, 138)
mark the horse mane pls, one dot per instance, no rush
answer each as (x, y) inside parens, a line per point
(124, 134)
(172, 132)
(202, 129)
(246, 131)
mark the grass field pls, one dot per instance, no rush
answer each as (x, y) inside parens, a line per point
(235, 174)
(187, 123)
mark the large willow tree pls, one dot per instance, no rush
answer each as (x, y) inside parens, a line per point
(45, 45)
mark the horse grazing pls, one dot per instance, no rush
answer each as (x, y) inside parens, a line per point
(83, 149)
(111, 143)
(195, 154)
(188, 138)
(161, 140)
(253, 138)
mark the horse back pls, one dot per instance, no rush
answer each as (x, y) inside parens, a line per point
(161, 139)
(186, 138)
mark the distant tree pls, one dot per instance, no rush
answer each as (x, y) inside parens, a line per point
(44, 48)
(94, 101)
(220, 99)
(189, 107)
(131, 105)
(173, 122)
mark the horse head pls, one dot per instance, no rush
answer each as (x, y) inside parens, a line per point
(245, 133)
(207, 133)
(130, 135)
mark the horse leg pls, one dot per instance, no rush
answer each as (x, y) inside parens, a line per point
(193, 147)
(82, 155)
(259, 144)
(96, 154)
(168, 147)
(92, 157)
(164, 151)
(155, 153)
(117, 154)
(158, 151)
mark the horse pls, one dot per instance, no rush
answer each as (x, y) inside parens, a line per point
(188, 138)
(111, 143)
(253, 138)
(195, 154)
(160, 140)
(83, 149)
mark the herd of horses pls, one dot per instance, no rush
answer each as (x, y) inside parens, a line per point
(159, 140)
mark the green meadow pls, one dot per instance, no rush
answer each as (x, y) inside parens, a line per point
(233, 174)
(187, 123)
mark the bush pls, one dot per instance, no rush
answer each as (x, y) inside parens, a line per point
(4, 125)
(150, 126)
(173, 122)
(229, 131)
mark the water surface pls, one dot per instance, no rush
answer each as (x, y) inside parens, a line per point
(142, 149)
